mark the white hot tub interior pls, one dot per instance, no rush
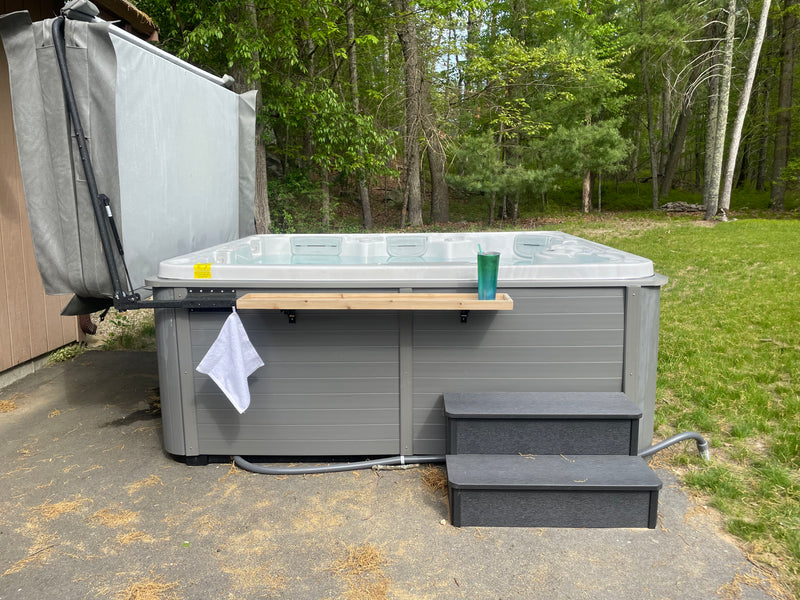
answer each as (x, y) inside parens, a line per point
(382, 257)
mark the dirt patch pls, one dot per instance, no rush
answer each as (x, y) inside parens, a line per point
(361, 568)
(134, 536)
(317, 517)
(114, 518)
(147, 482)
(251, 578)
(153, 589)
(206, 525)
(37, 554)
(50, 511)
(766, 581)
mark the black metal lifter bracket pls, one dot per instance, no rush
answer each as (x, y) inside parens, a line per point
(196, 299)
(59, 45)
(123, 299)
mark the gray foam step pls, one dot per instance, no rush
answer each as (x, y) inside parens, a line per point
(552, 491)
(541, 423)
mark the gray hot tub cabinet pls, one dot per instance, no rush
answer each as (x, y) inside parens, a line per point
(367, 383)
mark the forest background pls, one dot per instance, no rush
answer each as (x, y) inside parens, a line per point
(406, 113)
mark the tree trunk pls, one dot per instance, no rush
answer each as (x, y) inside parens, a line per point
(261, 208)
(326, 198)
(363, 191)
(243, 84)
(474, 24)
(308, 141)
(744, 100)
(437, 163)
(745, 167)
(633, 166)
(666, 127)
(783, 118)
(721, 117)
(711, 142)
(676, 147)
(600, 191)
(440, 193)
(407, 33)
(586, 191)
(681, 131)
(711, 130)
(651, 134)
(763, 143)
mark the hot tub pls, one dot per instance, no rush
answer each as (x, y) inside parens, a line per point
(365, 382)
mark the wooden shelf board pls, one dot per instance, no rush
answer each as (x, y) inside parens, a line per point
(371, 301)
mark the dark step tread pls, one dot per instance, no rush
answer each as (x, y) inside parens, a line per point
(550, 472)
(540, 405)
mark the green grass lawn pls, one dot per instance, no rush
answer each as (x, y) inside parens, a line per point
(729, 366)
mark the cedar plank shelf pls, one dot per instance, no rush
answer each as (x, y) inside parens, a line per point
(371, 301)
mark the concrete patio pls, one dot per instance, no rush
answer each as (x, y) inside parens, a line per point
(91, 507)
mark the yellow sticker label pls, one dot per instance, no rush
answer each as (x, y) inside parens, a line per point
(202, 271)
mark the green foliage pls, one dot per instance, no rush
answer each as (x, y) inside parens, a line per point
(294, 52)
(346, 143)
(596, 147)
(791, 174)
(547, 86)
(557, 86)
(479, 166)
(295, 205)
(480, 170)
(129, 331)
(66, 353)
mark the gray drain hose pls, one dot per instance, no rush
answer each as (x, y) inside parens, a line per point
(702, 444)
(354, 466)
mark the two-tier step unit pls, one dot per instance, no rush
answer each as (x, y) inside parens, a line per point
(547, 459)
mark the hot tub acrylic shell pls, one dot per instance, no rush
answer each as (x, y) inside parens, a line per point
(368, 383)
(378, 258)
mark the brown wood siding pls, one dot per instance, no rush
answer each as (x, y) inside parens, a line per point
(30, 321)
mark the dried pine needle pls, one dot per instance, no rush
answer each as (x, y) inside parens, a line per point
(435, 479)
(50, 511)
(153, 589)
(144, 483)
(114, 518)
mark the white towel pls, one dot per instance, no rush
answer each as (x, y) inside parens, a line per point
(230, 361)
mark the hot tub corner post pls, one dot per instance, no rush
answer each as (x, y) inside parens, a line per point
(169, 382)
(640, 359)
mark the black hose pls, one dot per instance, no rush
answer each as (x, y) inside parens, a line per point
(702, 444)
(59, 45)
(335, 468)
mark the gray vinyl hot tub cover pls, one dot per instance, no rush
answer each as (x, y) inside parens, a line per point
(173, 151)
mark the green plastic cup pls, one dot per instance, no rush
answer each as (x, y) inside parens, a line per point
(488, 264)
